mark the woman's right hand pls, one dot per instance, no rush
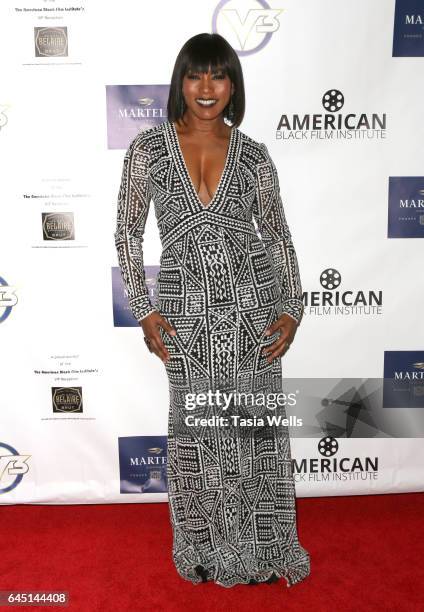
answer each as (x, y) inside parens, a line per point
(151, 325)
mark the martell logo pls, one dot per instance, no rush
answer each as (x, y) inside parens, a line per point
(8, 299)
(408, 31)
(331, 301)
(154, 457)
(131, 109)
(67, 399)
(145, 109)
(13, 466)
(332, 124)
(58, 226)
(406, 207)
(143, 464)
(332, 468)
(248, 26)
(51, 42)
(416, 372)
(403, 379)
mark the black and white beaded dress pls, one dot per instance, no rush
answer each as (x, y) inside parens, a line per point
(220, 285)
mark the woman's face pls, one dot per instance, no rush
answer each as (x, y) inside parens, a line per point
(207, 94)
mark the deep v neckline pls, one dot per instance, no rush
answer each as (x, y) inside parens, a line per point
(187, 175)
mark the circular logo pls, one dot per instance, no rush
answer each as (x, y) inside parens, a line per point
(333, 100)
(330, 278)
(247, 28)
(17, 479)
(7, 300)
(328, 446)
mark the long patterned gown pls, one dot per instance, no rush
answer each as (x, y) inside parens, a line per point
(231, 492)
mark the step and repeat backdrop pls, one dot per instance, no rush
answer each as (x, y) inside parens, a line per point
(335, 90)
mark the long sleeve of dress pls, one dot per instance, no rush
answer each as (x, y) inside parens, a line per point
(132, 210)
(269, 215)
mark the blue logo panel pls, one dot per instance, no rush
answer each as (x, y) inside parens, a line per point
(406, 207)
(143, 464)
(403, 385)
(408, 31)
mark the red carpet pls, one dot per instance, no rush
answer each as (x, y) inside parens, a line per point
(366, 554)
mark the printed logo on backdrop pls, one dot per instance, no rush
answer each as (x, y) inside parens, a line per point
(142, 464)
(408, 31)
(67, 399)
(51, 42)
(122, 315)
(351, 124)
(3, 117)
(403, 379)
(8, 299)
(406, 207)
(335, 299)
(248, 26)
(132, 109)
(13, 467)
(331, 465)
(58, 226)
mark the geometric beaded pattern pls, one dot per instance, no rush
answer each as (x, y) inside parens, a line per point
(220, 285)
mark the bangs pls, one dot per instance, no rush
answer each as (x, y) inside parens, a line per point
(204, 67)
(204, 54)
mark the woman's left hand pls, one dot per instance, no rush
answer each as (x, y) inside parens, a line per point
(287, 327)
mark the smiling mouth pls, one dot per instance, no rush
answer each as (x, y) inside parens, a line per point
(206, 101)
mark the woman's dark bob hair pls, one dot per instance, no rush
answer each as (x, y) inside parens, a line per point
(198, 54)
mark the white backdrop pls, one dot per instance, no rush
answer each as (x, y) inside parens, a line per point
(56, 301)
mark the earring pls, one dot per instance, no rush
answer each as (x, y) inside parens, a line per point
(231, 109)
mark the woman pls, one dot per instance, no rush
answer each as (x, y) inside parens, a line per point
(228, 307)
